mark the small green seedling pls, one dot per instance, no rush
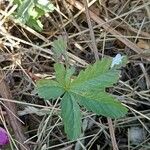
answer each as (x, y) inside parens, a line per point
(29, 12)
(88, 89)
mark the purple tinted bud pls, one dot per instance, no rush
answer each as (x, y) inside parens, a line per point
(3, 137)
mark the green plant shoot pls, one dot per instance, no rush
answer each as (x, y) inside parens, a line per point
(29, 12)
(88, 89)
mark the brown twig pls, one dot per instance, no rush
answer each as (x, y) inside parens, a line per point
(112, 134)
(91, 30)
(12, 113)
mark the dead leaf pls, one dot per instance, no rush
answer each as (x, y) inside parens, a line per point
(143, 44)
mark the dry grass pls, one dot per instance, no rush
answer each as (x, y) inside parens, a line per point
(25, 56)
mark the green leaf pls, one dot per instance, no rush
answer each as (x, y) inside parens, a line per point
(18, 2)
(60, 73)
(40, 12)
(24, 9)
(59, 47)
(98, 76)
(35, 24)
(30, 11)
(101, 103)
(71, 116)
(49, 89)
(63, 76)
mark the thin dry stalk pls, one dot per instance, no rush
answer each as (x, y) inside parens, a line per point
(112, 134)
(95, 50)
(12, 113)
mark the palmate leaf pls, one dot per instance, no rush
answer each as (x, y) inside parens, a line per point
(88, 90)
(71, 116)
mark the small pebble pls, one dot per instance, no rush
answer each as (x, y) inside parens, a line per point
(136, 135)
